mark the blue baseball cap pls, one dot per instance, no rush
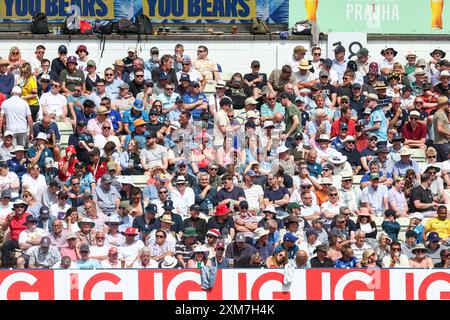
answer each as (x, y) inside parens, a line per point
(251, 173)
(151, 208)
(290, 237)
(185, 77)
(138, 105)
(433, 237)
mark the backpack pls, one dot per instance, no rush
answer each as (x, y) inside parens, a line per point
(259, 26)
(302, 27)
(72, 25)
(86, 27)
(144, 25)
(39, 24)
(124, 26)
(103, 26)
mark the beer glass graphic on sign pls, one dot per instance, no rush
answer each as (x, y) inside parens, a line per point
(436, 13)
(311, 9)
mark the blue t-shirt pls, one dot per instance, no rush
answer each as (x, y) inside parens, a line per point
(115, 118)
(341, 263)
(189, 99)
(130, 118)
(377, 115)
(88, 264)
(32, 152)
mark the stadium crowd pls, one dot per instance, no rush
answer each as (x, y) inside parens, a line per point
(317, 164)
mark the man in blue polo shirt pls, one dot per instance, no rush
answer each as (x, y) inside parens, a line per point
(195, 101)
(289, 245)
(131, 115)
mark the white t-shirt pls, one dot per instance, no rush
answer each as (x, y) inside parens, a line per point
(183, 202)
(16, 111)
(5, 210)
(59, 213)
(100, 141)
(5, 182)
(220, 119)
(97, 251)
(129, 252)
(252, 195)
(53, 103)
(35, 186)
(26, 235)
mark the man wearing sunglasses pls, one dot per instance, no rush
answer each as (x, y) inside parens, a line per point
(396, 259)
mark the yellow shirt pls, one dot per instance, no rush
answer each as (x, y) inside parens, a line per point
(30, 87)
(442, 227)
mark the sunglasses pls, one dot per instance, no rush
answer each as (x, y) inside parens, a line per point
(185, 63)
(418, 102)
(106, 128)
(162, 192)
(169, 89)
(414, 118)
(317, 53)
(19, 206)
(271, 99)
(100, 238)
(139, 75)
(333, 195)
(396, 249)
(160, 236)
(55, 85)
(109, 74)
(75, 184)
(431, 157)
(220, 249)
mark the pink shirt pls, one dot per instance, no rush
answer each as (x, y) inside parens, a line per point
(69, 252)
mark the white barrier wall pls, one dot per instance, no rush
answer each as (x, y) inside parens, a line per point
(233, 56)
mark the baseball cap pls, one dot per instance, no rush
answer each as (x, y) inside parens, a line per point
(185, 77)
(324, 73)
(45, 242)
(194, 207)
(6, 193)
(16, 90)
(311, 232)
(255, 63)
(154, 50)
(72, 59)
(328, 62)
(149, 82)
(240, 237)
(62, 49)
(84, 248)
(251, 173)
(151, 208)
(290, 237)
(339, 48)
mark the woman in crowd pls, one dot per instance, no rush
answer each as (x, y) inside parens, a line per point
(71, 220)
(199, 258)
(383, 248)
(370, 259)
(277, 260)
(15, 61)
(29, 88)
(130, 161)
(366, 224)
(33, 205)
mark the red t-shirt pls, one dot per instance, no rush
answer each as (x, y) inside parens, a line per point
(418, 133)
(16, 226)
(335, 128)
(70, 170)
(2, 98)
(98, 170)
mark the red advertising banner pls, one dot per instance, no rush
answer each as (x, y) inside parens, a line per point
(231, 284)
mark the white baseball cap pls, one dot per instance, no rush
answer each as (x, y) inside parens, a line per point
(16, 90)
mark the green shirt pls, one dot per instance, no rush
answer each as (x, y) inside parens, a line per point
(72, 78)
(293, 110)
(410, 69)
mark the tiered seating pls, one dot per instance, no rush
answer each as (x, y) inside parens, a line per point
(65, 129)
